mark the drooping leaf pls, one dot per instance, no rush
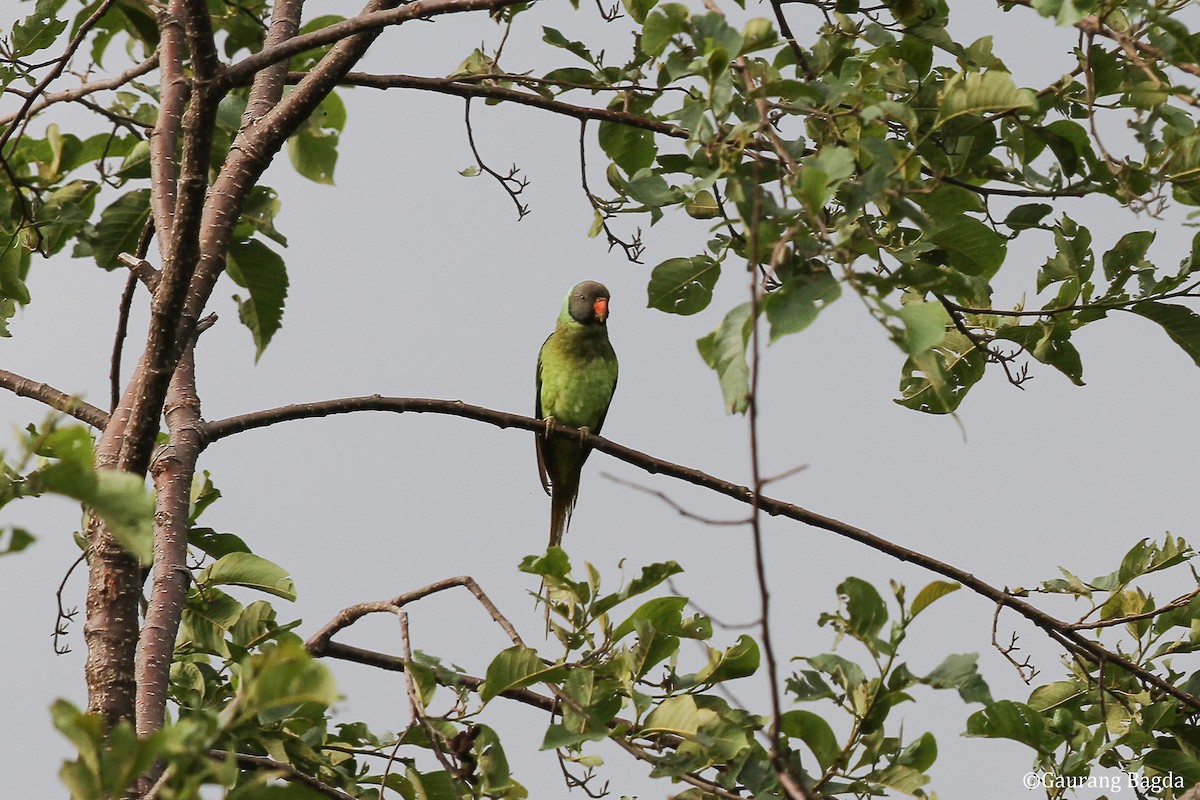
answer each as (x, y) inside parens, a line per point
(795, 305)
(724, 350)
(261, 271)
(960, 672)
(925, 325)
(938, 380)
(119, 228)
(14, 540)
(814, 731)
(1181, 324)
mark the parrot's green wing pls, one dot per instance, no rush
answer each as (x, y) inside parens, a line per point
(540, 440)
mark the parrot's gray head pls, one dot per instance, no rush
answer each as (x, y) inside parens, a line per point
(588, 303)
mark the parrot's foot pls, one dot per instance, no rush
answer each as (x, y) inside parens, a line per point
(584, 433)
(549, 424)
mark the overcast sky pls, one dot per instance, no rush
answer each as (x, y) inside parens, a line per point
(409, 280)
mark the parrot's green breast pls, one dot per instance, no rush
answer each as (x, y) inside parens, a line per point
(578, 375)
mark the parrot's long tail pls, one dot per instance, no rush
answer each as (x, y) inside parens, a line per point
(563, 494)
(562, 502)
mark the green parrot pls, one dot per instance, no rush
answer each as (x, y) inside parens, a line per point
(576, 377)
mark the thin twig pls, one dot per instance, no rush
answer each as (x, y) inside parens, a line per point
(65, 617)
(512, 183)
(683, 512)
(60, 64)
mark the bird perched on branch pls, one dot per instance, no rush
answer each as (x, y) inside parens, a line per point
(576, 377)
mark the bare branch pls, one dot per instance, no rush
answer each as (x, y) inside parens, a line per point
(318, 642)
(510, 183)
(48, 395)
(79, 92)
(468, 89)
(371, 21)
(59, 65)
(65, 616)
(1058, 630)
(680, 510)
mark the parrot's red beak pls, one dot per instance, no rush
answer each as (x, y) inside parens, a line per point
(601, 308)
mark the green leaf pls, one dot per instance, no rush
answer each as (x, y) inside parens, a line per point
(259, 269)
(119, 499)
(39, 30)
(814, 731)
(65, 211)
(313, 148)
(739, 660)
(1127, 256)
(216, 544)
(137, 163)
(14, 266)
(971, 247)
(924, 326)
(284, 676)
(664, 613)
(1049, 344)
(1029, 215)
(961, 672)
(1053, 695)
(119, 228)
(554, 37)
(865, 609)
(937, 381)
(629, 148)
(683, 285)
(516, 668)
(1005, 719)
(249, 570)
(1181, 324)
(638, 9)
(677, 715)
(14, 540)
(724, 350)
(666, 21)
(932, 592)
(1181, 769)
(702, 205)
(794, 306)
(980, 93)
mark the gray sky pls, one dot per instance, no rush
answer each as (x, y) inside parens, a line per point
(409, 280)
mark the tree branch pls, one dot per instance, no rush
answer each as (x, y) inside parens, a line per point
(172, 470)
(60, 64)
(468, 89)
(48, 395)
(164, 138)
(371, 21)
(268, 83)
(71, 95)
(1056, 628)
